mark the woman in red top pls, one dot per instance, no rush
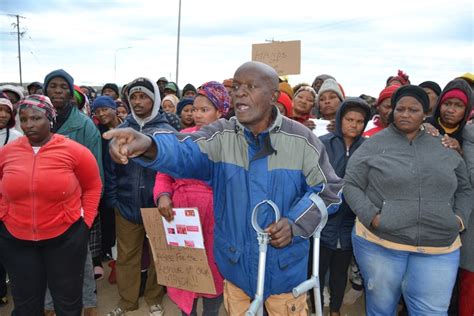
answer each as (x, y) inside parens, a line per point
(49, 191)
(211, 103)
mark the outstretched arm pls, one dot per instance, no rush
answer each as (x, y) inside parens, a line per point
(126, 143)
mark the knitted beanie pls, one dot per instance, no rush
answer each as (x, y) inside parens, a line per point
(412, 91)
(104, 102)
(431, 85)
(111, 86)
(285, 100)
(330, 85)
(183, 103)
(386, 93)
(143, 85)
(62, 74)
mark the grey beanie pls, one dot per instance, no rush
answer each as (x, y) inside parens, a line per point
(330, 85)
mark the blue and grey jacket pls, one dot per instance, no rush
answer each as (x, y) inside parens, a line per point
(337, 232)
(286, 164)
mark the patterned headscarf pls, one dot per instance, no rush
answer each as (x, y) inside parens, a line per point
(217, 94)
(38, 102)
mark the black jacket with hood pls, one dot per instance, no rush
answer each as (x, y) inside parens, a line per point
(130, 187)
(454, 84)
(337, 232)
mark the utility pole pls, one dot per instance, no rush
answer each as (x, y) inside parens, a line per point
(177, 49)
(19, 50)
(18, 34)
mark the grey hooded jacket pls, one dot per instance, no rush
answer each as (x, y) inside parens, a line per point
(467, 250)
(417, 187)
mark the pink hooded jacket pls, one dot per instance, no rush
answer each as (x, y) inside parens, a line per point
(192, 193)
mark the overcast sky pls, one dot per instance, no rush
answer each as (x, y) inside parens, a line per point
(360, 43)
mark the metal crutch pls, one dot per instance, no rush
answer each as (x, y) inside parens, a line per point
(313, 282)
(256, 308)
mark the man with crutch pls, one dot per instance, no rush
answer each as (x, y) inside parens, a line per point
(258, 155)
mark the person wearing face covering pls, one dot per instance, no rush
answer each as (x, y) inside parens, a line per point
(412, 198)
(129, 188)
(50, 189)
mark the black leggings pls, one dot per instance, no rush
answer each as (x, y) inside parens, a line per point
(337, 262)
(3, 281)
(58, 262)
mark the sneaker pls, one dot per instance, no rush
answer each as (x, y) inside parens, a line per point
(3, 301)
(98, 273)
(156, 310)
(351, 296)
(117, 312)
(327, 297)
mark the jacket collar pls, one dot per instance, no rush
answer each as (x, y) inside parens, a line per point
(72, 122)
(274, 127)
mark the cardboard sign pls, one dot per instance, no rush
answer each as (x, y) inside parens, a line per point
(179, 267)
(284, 57)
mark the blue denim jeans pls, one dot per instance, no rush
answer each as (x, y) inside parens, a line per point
(426, 281)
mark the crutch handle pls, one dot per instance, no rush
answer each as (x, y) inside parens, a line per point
(255, 306)
(255, 224)
(305, 287)
(324, 214)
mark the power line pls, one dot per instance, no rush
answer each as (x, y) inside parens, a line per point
(18, 34)
(33, 47)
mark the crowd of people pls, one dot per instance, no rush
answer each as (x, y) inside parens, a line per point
(396, 175)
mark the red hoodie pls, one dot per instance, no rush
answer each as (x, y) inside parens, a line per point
(43, 194)
(374, 130)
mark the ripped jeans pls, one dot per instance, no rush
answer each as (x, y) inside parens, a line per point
(426, 281)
